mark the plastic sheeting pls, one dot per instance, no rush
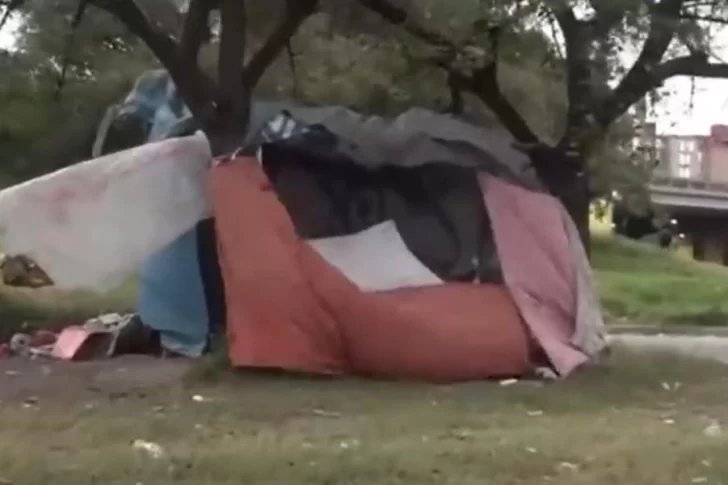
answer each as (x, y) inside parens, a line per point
(172, 299)
(376, 259)
(91, 225)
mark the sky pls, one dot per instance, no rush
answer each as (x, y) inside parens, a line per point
(691, 109)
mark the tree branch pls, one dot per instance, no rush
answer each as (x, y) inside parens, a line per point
(401, 18)
(694, 66)
(296, 12)
(483, 82)
(10, 7)
(578, 87)
(608, 15)
(704, 18)
(640, 78)
(194, 86)
(231, 99)
(68, 48)
(196, 30)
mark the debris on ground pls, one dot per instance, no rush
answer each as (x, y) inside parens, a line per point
(101, 337)
(326, 414)
(671, 386)
(21, 271)
(154, 450)
(565, 465)
(713, 430)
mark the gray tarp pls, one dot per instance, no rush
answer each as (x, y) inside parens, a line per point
(415, 137)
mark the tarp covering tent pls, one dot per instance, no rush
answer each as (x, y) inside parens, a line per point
(415, 247)
(90, 225)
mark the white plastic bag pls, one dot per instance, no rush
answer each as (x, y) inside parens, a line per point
(91, 225)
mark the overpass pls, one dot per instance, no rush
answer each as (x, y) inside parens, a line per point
(701, 209)
(675, 193)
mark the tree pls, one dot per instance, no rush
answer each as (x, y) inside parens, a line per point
(673, 38)
(45, 80)
(587, 39)
(220, 103)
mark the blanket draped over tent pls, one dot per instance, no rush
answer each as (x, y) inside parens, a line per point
(420, 247)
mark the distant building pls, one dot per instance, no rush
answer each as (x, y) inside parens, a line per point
(694, 158)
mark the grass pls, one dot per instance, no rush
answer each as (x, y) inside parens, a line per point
(22, 308)
(642, 283)
(614, 424)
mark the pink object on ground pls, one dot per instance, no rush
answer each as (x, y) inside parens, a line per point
(76, 343)
(535, 255)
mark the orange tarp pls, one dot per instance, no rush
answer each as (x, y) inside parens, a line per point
(287, 308)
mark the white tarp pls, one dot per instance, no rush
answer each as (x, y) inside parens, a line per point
(91, 225)
(375, 259)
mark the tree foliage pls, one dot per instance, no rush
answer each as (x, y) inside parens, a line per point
(559, 74)
(53, 96)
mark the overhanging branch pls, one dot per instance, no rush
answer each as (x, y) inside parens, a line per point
(640, 78)
(296, 12)
(577, 40)
(10, 7)
(400, 17)
(695, 66)
(68, 48)
(704, 18)
(483, 82)
(608, 15)
(193, 85)
(196, 30)
(230, 97)
(134, 19)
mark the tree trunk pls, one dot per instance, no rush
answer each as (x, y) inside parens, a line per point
(565, 176)
(576, 200)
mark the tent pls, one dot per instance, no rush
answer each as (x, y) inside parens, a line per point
(418, 247)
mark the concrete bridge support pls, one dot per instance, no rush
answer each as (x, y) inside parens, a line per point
(708, 234)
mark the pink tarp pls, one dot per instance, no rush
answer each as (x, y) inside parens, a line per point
(538, 266)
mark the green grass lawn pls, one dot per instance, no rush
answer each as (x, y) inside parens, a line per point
(626, 422)
(640, 283)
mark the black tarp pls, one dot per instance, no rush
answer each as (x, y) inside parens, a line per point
(438, 207)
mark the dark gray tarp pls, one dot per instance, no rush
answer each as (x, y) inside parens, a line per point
(415, 137)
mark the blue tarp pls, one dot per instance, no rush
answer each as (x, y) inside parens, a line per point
(154, 99)
(171, 297)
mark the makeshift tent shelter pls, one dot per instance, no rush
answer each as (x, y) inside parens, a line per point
(417, 247)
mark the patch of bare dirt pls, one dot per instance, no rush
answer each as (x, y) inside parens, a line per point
(26, 379)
